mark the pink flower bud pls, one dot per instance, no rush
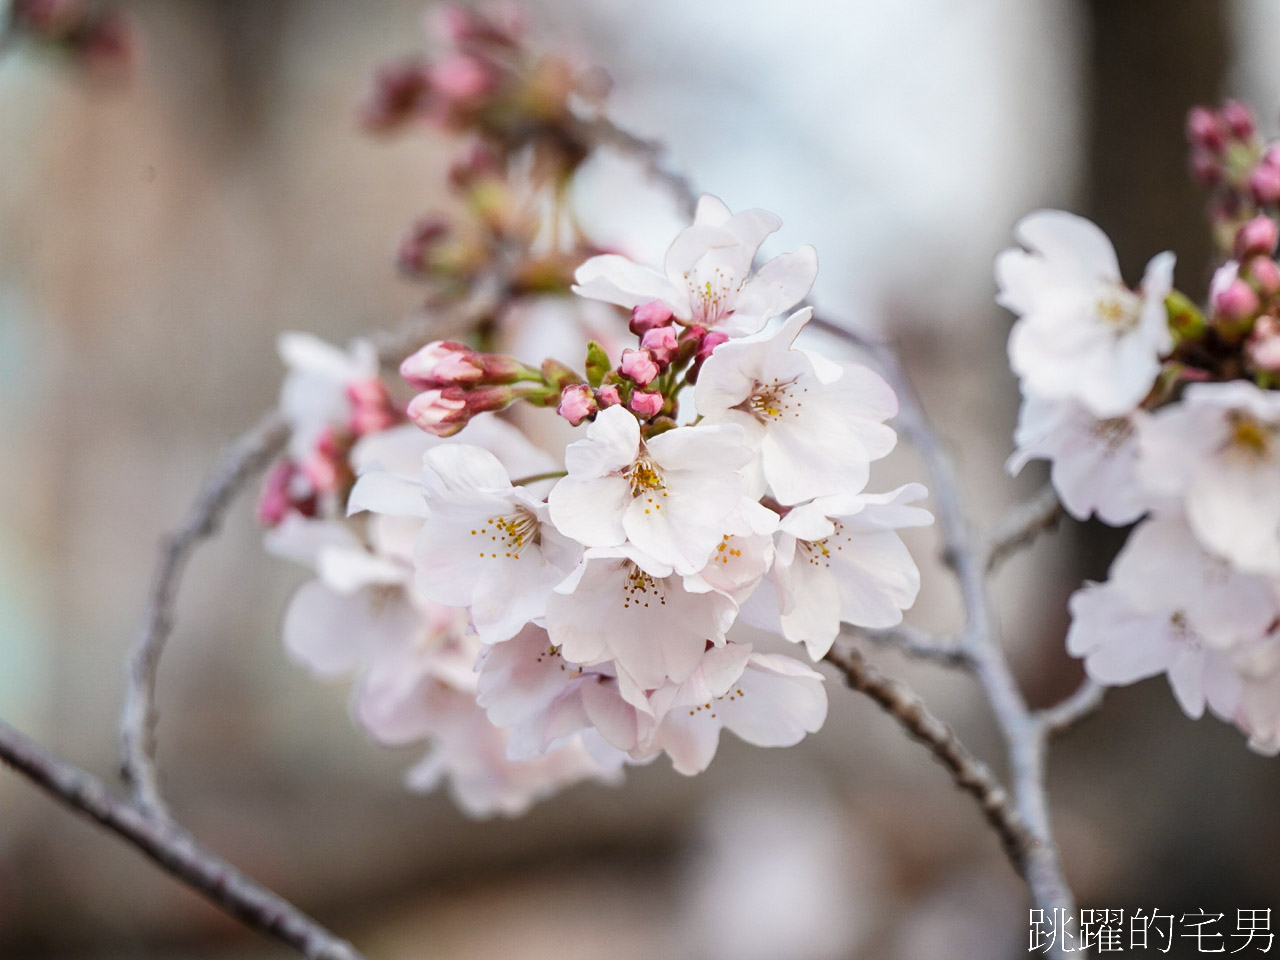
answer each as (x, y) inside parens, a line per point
(1263, 346)
(1205, 130)
(441, 413)
(608, 395)
(649, 315)
(1264, 274)
(646, 404)
(275, 501)
(326, 468)
(1264, 183)
(662, 344)
(639, 366)
(442, 363)
(1205, 168)
(371, 410)
(1238, 119)
(462, 26)
(1236, 302)
(461, 80)
(577, 403)
(1258, 236)
(707, 343)
(395, 95)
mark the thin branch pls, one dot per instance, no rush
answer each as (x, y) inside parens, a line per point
(243, 460)
(970, 774)
(1038, 515)
(601, 131)
(1065, 714)
(917, 643)
(173, 849)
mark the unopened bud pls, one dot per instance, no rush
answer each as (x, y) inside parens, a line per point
(327, 468)
(1205, 130)
(461, 80)
(662, 344)
(706, 345)
(442, 363)
(395, 95)
(638, 365)
(1257, 236)
(577, 403)
(1236, 302)
(608, 395)
(1206, 169)
(442, 413)
(1264, 184)
(275, 500)
(647, 316)
(646, 404)
(371, 409)
(1264, 274)
(1238, 119)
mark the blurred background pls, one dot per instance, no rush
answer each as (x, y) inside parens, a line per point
(156, 237)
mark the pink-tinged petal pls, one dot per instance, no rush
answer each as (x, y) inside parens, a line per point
(347, 571)
(615, 279)
(520, 678)
(461, 473)
(777, 701)
(813, 617)
(591, 511)
(379, 491)
(691, 245)
(611, 444)
(1022, 279)
(1071, 243)
(334, 634)
(614, 718)
(690, 741)
(1186, 677)
(1157, 282)
(775, 288)
(302, 540)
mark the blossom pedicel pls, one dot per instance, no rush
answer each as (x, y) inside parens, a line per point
(542, 620)
(1151, 409)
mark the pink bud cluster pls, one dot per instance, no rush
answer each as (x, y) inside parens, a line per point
(646, 380)
(455, 383)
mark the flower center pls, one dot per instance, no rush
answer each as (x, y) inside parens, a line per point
(712, 299)
(818, 553)
(1113, 433)
(1120, 309)
(1250, 436)
(725, 551)
(508, 534)
(640, 589)
(646, 481)
(774, 400)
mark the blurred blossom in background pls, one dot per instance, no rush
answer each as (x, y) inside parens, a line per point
(158, 235)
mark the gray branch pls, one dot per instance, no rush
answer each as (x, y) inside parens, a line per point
(1038, 515)
(172, 848)
(243, 460)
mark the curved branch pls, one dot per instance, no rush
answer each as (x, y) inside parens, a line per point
(1038, 515)
(240, 463)
(918, 643)
(173, 849)
(970, 774)
(1065, 714)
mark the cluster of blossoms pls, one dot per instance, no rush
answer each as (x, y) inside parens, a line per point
(1150, 409)
(102, 39)
(543, 619)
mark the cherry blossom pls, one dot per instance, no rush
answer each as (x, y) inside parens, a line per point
(817, 426)
(839, 559)
(1093, 462)
(1218, 451)
(1081, 333)
(487, 545)
(668, 495)
(706, 277)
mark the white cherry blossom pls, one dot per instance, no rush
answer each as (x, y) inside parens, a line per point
(622, 606)
(668, 495)
(817, 425)
(1218, 450)
(314, 394)
(706, 277)
(839, 559)
(1093, 462)
(485, 544)
(1081, 333)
